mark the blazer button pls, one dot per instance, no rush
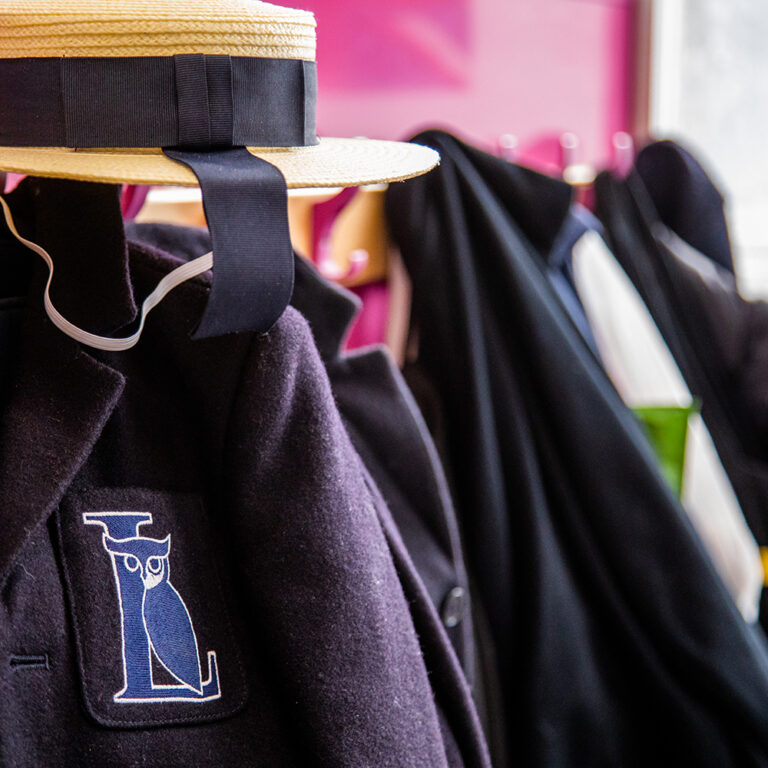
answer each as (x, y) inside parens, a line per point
(453, 607)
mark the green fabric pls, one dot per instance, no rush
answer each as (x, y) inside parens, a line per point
(667, 428)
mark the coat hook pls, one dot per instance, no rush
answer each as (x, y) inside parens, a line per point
(623, 153)
(330, 269)
(507, 147)
(569, 144)
(575, 173)
(325, 215)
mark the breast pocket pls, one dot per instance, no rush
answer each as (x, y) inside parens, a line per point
(154, 641)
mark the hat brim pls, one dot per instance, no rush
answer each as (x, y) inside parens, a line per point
(330, 163)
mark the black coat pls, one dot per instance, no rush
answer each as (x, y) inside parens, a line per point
(201, 499)
(718, 339)
(617, 643)
(686, 199)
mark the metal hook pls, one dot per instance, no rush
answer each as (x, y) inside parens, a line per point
(325, 215)
(573, 172)
(569, 143)
(623, 153)
(331, 270)
(507, 145)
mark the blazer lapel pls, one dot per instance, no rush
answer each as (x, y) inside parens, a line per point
(59, 403)
(60, 397)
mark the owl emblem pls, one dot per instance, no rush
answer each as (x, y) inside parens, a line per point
(166, 618)
(155, 620)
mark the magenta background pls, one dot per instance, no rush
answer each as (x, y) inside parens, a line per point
(481, 68)
(533, 68)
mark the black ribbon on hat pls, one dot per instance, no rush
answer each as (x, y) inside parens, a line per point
(203, 110)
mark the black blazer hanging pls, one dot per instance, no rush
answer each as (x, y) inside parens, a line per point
(719, 339)
(388, 432)
(199, 495)
(616, 641)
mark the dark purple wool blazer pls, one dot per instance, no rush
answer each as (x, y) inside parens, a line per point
(389, 434)
(195, 566)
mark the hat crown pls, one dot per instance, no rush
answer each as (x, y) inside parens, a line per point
(91, 28)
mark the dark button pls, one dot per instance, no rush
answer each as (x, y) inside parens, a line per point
(454, 604)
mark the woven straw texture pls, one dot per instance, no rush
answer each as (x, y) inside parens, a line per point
(36, 28)
(110, 28)
(332, 163)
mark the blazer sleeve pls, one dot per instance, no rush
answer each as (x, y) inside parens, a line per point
(318, 571)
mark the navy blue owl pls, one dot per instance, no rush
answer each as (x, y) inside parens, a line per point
(155, 619)
(166, 618)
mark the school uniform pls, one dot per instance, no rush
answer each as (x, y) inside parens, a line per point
(645, 374)
(718, 339)
(195, 567)
(388, 432)
(616, 641)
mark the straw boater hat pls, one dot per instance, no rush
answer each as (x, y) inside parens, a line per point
(216, 92)
(62, 100)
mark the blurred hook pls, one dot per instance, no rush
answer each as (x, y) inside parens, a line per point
(623, 153)
(324, 217)
(575, 173)
(358, 261)
(569, 143)
(507, 147)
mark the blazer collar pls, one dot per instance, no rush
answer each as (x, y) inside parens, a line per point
(538, 204)
(60, 397)
(60, 400)
(329, 308)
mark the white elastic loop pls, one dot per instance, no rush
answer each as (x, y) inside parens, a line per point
(166, 285)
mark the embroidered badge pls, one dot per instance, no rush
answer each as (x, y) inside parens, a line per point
(157, 635)
(156, 624)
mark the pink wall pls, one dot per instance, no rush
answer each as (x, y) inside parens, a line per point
(533, 68)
